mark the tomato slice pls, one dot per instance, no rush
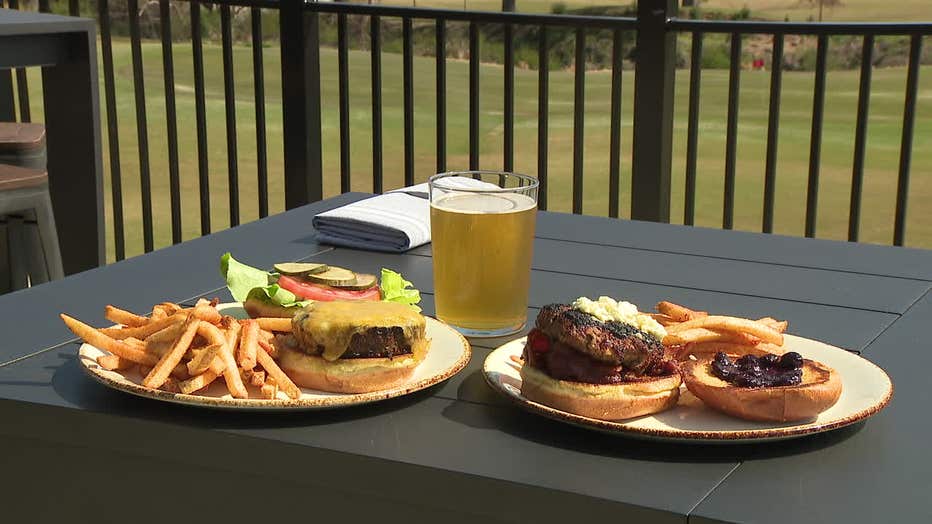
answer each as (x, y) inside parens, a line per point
(310, 291)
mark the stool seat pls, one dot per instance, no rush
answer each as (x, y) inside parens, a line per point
(14, 177)
(18, 137)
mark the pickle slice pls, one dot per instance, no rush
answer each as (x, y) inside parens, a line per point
(300, 268)
(334, 276)
(364, 281)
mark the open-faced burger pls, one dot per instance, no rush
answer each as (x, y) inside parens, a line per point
(773, 388)
(599, 359)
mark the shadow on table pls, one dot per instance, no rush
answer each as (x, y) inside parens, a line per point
(71, 383)
(495, 412)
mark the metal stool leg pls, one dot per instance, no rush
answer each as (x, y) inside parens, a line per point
(17, 250)
(45, 218)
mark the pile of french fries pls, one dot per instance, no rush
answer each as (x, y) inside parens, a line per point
(697, 333)
(185, 350)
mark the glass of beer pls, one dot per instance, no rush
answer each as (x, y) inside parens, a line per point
(482, 229)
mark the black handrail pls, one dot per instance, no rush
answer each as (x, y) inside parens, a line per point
(656, 25)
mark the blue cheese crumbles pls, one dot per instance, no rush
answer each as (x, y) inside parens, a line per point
(608, 309)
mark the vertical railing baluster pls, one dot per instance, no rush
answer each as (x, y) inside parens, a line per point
(815, 140)
(141, 126)
(860, 137)
(543, 115)
(44, 6)
(299, 30)
(906, 144)
(171, 120)
(654, 93)
(229, 103)
(773, 132)
(731, 133)
(441, 72)
(375, 37)
(408, 84)
(258, 82)
(473, 95)
(579, 112)
(22, 83)
(692, 131)
(74, 8)
(343, 87)
(200, 112)
(509, 121)
(113, 131)
(614, 147)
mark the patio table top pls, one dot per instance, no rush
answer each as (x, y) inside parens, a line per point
(458, 451)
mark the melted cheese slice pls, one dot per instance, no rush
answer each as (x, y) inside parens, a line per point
(333, 324)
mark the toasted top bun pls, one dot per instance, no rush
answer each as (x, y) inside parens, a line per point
(601, 401)
(818, 391)
(701, 350)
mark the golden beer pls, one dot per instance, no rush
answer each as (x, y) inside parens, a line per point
(482, 246)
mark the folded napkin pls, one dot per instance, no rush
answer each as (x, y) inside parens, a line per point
(395, 221)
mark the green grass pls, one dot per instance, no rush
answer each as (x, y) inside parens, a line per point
(845, 10)
(880, 179)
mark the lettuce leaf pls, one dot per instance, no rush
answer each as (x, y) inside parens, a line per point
(395, 289)
(243, 280)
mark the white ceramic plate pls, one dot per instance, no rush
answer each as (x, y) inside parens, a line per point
(449, 353)
(866, 389)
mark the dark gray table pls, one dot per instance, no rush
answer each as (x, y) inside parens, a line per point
(66, 48)
(457, 452)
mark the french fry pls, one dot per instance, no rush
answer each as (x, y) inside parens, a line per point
(141, 332)
(172, 358)
(777, 325)
(206, 312)
(271, 349)
(734, 324)
(158, 314)
(135, 342)
(248, 344)
(282, 325)
(663, 320)
(230, 374)
(707, 335)
(679, 313)
(102, 341)
(168, 333)
(114, 362)
(256, 378)
(198, 382)
(268, 391)
(272, 370)
(266, 336)
(167, 309)
(121, 316)
(203, 358)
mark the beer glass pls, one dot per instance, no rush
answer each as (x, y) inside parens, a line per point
(482, 229)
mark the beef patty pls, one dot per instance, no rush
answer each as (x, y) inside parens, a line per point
(612, 343)
(375, 342)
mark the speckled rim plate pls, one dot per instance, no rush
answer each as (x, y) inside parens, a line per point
(866, 389)
(448, 355)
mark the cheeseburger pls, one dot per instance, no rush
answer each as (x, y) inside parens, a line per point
(354, 347)
(599, 359)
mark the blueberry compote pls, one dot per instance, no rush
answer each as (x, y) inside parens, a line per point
(750, 371)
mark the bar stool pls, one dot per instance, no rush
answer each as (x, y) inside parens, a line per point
(24, 201)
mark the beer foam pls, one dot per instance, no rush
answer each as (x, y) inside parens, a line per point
(485, 203)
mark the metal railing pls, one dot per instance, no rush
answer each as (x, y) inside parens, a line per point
(656, 26)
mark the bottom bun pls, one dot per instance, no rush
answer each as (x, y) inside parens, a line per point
(818, 391)
(601, 401)
(356, 375)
